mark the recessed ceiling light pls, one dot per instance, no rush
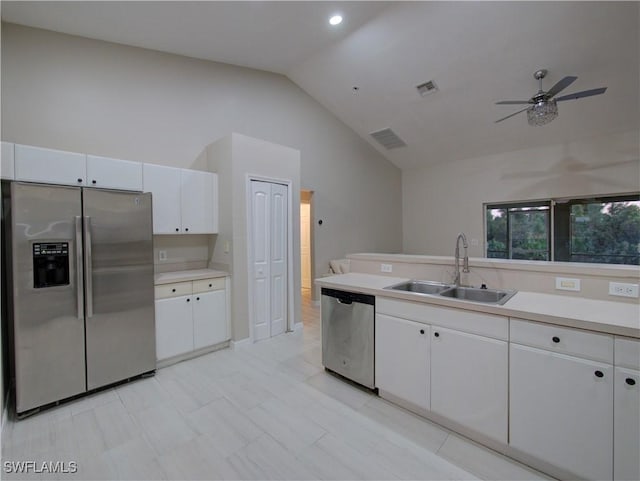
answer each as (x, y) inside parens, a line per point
(335, 20)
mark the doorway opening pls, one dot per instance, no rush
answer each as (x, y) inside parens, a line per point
(306, 245)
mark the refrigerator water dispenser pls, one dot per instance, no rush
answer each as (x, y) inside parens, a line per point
(50, 264)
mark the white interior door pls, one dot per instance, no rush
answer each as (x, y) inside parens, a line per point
(305, 245)
(278, 260)
(269, 223)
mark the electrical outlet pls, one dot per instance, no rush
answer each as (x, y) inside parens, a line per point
(623, 289)
(162, 255)
(567, 284)
(386, 268)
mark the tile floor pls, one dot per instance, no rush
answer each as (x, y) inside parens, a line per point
(263, 411)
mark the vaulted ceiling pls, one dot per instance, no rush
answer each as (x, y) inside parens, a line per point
(476, 52)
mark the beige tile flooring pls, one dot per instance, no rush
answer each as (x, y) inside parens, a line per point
(263, 411)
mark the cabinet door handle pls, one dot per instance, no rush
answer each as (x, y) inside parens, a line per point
(197, 298)
(436, 334)
(187, 229)
(188, 300)
(94, 182)
(421, 331)
(555, 339)
(210, 285)
(630, 381)
(80, 180)
(599, 374)
(177, 230)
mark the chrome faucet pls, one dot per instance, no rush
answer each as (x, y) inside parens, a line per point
(465, 262)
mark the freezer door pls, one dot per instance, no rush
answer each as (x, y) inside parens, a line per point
(48, 319)
(119, 292)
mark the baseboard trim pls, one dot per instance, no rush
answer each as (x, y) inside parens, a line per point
(242, 342)
(191, 354)
(298, 326)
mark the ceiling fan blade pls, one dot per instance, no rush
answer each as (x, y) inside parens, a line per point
(584, 93)
(509, 116)
(561, 85)
(513, 102)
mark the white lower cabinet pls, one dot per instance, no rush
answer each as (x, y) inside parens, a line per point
(402, 359)
(561, 410)
(460, 374)
(209, 319)
(190, 316)
(561, 399)
(469, 381)
(626, 420)
(174, 327)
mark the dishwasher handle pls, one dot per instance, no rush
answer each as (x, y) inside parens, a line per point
(345, 297)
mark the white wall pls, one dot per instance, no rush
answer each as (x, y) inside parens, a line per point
(447, 198)
(82, 95)
(236, 157)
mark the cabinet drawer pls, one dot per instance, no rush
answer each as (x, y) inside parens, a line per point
(627, 353)
(598, 347)
(206, 285)
(173, 290)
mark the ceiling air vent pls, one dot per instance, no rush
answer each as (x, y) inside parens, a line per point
(427, 88)
(388, 139)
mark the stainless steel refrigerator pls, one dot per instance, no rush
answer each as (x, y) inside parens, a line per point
(81, 304)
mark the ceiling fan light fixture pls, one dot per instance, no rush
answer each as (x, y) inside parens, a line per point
(542, 112)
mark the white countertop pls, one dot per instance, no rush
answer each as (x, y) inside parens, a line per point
(602, 316)
(188, 275)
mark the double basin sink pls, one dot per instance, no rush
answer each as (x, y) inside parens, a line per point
(475, 294)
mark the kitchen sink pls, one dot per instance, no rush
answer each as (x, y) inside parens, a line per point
(489, 296)
(420, 287)
(475, 294)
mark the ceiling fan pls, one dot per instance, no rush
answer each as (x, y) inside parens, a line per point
(542, 107)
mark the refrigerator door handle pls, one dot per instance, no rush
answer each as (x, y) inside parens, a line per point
(88, 284)
(79, 293)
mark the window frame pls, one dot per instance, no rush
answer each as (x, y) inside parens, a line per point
(515, 205)
(555, 219)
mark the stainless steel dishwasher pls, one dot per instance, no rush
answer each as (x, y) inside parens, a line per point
(348, 325)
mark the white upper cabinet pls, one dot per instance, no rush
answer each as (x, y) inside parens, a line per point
(108, 173)
(199, 200)
(164, 185)
(184, 201)
(35, 164)
(7, 167)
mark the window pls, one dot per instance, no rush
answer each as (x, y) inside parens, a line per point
(519, 231)
(603, 230)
